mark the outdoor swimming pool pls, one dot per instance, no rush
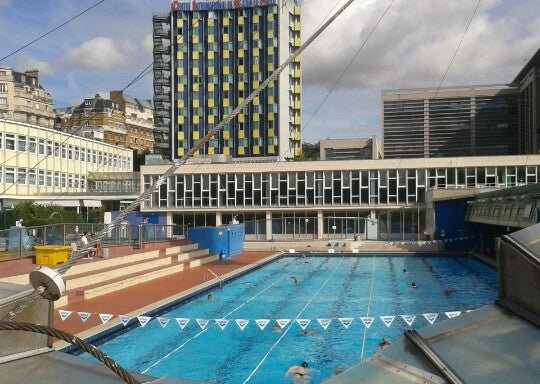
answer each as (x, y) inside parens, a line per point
(328, 288)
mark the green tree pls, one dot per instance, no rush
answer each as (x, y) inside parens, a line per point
(310, 151)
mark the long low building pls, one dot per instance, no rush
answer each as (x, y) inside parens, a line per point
(38, 163)
(324, 197)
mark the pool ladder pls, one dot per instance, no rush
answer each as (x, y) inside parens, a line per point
(209, 271)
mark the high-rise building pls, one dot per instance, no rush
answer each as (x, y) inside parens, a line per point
(453, 121)
(208, 57)
(528, 84)
(23, 99)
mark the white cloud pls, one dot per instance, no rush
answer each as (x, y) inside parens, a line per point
(98, 53)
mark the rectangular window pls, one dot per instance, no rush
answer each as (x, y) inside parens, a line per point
(64, 151)
(49, 178)
(41, 147)
(32, 144)
(57, 179)
(77, 153)
(21, 176)
(10, 175)
(10, 141)
(64, 180)
(41, 178)
(3, 101)
(1, 140)
(21, 143)
(70, 152)
(3, 88)
(31, 177)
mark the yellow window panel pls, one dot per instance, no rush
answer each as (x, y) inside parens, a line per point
(180, 39)
(240, 20)
(180, 71)
(226, 70)
(211, 150)
(211, 103)
(241, 117)
(211, 87)
(271, 149)
(226, 21)
(240, 37)
(180, 151)
(297, 42)
(270, 66)
(226, 103)
(241, 69)
(297, 10)
(211, 119)
(298, 151)
(270, 34)
(196, 104)
(211, 54)
(226, 54)
(211, 38)
(297, 89)
(194, 21)
(180, 103)
(180, 119)
(256, 117)
(226, 38)
(241, 133)
(197, 153)
(270, 50)
(226, 86)
(179, 23)
(241, 85)
(211, 71)
(256, 68)
(195, 71)
(179, 55)
(226, 135)
(255, 52)
(256, 150)
(270, 115)
(195, 39)
(180, 135)
(255, 18)
(241, 151)
(256, 133)
(297, 135)
(180, 87)
(195, 55)
(256, 100)
(241, 53)
(271, 132)
(196, 119)
(195, 135)
(256, 84)
(270, 99)
(226, 151)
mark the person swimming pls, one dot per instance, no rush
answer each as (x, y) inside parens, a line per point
(293, 279)
(308, 332)
(299, 372)
(385, 342)
(210, 297)
(404, 270)
(413, 285)
(431, 268)
(448, 292)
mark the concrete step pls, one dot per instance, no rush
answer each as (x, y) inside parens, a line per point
(203, 259)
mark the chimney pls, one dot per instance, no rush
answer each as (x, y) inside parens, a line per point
(35, 74)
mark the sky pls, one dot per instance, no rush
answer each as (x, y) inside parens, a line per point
(412, 47)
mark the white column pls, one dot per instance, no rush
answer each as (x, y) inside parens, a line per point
(170, 222)
(268, 225)
(218, 219)
(320, 225)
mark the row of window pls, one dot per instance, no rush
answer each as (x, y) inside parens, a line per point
(326, 188)
(41, 178)
(34, 145)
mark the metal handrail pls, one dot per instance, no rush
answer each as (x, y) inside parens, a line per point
(208, 270)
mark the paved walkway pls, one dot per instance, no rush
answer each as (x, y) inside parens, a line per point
(133, 298)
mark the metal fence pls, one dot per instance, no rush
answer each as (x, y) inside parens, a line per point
(19, 242)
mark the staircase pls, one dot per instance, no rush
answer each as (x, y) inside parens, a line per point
(101, 276)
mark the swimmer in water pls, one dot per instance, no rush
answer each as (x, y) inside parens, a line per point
(404, 270)
(385, 342)
(276, 327)
(299, 372)
(448, 292)
(210, 297)
(294, 280)
(431, 268)
(413, 285)
(308, 332)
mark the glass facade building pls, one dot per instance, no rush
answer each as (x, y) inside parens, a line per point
(208, 57)
(454, 121)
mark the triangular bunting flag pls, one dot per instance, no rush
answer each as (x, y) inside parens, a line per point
(282, 322)
(452, 314)
(387, 320)
(64, 314)
(242, 323)
(222, 323)
(202, 323)
(143, 320)
(346, 321)
(125, 319)
(163, 321)
(105, 317)
(409, 319)
(324, 322)
(262, 323)
(303, 323)
(367, 321)
(182, 322)
(84, 316)
(430, 317)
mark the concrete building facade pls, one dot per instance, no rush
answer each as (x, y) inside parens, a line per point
(528, 85)
(28, 171)
(321, 197)
(350, 149)
(23, 99)
(453, 121)
(208, 57)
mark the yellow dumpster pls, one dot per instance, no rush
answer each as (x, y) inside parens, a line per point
(51, 254)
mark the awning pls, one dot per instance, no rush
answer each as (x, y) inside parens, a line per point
(71, 203)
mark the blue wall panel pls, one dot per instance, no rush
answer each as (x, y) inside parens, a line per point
(228, 239)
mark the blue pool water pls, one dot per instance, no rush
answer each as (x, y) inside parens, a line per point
(328, 287)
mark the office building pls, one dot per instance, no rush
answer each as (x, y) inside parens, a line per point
(452, 121)
(47, 165)
(208, 57)
(23, 99)
(350, 149)
(528, 86)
